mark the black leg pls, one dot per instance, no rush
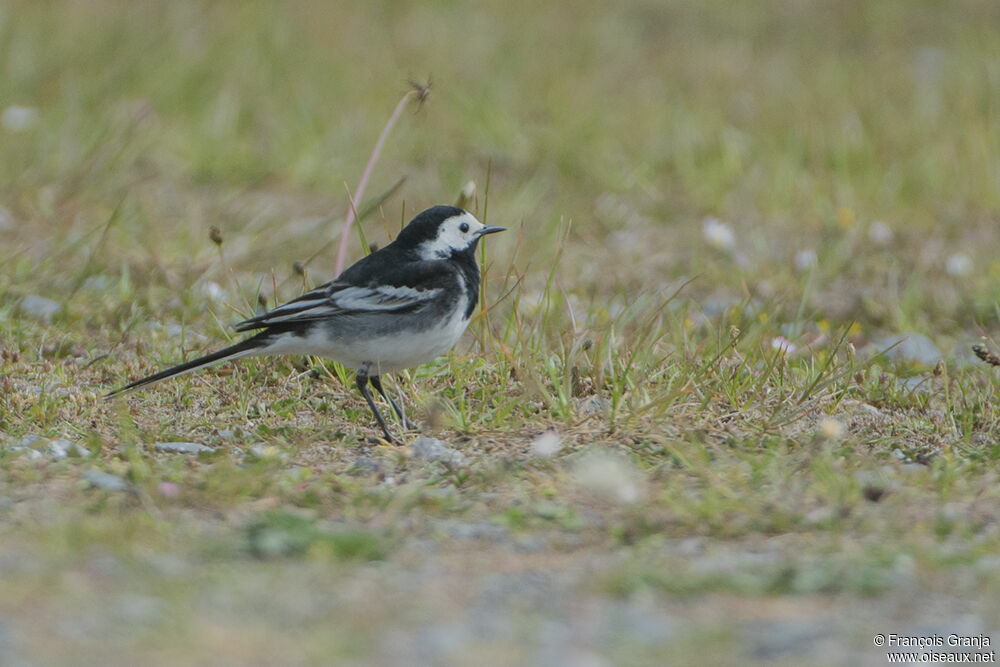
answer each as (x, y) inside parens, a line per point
(377, 383)
(362, 381)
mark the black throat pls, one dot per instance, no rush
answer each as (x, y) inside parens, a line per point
(469, 273)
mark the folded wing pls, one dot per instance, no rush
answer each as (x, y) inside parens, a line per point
(335, 299)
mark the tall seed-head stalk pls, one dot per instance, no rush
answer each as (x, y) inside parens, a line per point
(417, 92)
(485, 321)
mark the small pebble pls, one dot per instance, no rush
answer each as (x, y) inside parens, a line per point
(6, 219)
(718, 234)
(909, 347)
(594, 405)
(62, 448)
(298, 473)
(40, 307)
(18, 118)
(805, 260)
(213, 291)
(432, 449)
(99, 283)
(959, 265)
(105, 481)
(546, 445)
(880, 233)
(183, 448)
(28, 441)
(37, 448)
(611, 476)
(364, 465)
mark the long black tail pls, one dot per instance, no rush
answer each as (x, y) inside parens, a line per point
(244, 348)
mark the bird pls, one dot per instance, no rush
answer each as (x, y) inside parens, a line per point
(402, 306)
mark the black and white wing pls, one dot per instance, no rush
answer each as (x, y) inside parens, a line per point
(335, 299)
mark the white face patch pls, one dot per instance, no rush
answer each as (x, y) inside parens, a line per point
(454, 234)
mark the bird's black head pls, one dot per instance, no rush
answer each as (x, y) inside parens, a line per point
(443, 231)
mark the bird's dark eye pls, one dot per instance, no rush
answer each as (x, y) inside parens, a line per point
(464, 227)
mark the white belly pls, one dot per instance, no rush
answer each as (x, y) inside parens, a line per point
(383, 354)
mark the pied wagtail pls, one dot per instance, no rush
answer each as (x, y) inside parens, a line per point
(401, 306)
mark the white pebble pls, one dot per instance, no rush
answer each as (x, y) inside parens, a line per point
(17, 118)
(880, 233)
(609, 476)
(718, 234)
(40, 307)
(959, 265)
(547, 444)
(805, 260)
(213, 290)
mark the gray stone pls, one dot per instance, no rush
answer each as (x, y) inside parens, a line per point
(37, 448)
(912, 347)
(30, 454)
(298, 473)
(531, 544)
(27, 447)
(28, 441)
(6, 219)
(689, 547)
(464, 530)
(99, 283)
(594, 405)
(185, 333)
(61, 448)
(432, 449)
(632, 622)
(963, 355)
(40, 307)
(105, 481)
(50, 389)
(10, 640)
(183, 448)
(918, 384)
(170, 565)
(364, 465)
(783, 640)
(135, 608)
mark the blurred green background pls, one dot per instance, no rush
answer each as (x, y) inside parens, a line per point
(798, 124)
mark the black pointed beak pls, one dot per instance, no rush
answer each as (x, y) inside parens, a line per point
(491, 230)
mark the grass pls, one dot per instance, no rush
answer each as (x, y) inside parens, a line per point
(722, 222)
